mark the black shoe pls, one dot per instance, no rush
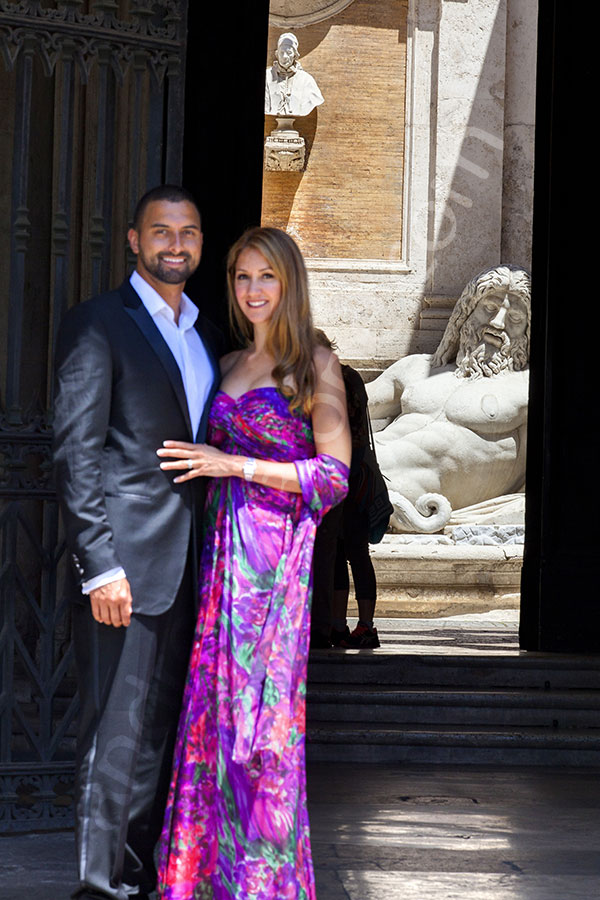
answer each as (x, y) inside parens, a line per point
(362, 638)
(338, 636)
(319, 641)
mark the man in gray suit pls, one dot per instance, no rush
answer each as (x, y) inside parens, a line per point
(134, 367)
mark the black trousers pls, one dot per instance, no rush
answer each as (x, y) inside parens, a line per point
(353, 547)
(130, 685)
(323, 568)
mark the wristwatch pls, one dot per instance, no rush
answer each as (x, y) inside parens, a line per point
(249, 468)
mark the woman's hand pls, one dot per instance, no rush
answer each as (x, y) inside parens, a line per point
(196, 460)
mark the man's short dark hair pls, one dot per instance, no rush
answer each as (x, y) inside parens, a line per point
(170, 192)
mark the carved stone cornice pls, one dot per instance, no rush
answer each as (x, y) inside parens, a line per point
(155, 22)
(155, 27)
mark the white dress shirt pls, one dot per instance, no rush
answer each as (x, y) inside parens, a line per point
(185, 344)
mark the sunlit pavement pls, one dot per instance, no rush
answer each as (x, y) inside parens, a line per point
(419, 833)
(412, 833)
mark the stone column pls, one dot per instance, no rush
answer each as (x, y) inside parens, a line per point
(519, 129)
(469, 139)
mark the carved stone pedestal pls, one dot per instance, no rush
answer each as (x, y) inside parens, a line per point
(284, 148)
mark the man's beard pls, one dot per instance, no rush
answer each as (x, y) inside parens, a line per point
(166, 274)
(477, 358)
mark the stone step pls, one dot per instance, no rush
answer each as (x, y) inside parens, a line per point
(375, 743)
(378, 667)
(447, 706)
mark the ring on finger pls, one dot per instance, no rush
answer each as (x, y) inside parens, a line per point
(190, 463)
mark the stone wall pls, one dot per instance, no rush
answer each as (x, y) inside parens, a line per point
(428, 188)
(348, 201)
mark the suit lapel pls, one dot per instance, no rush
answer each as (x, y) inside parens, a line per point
(214, 362)
(142, 318)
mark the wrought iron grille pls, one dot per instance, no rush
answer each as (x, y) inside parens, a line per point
(92, 100)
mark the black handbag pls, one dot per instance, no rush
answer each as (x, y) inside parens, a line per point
(371, 495)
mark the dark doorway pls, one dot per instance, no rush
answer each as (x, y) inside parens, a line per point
(223, 146)
(559, 605)
(92, 101)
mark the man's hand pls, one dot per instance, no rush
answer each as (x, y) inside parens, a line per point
(111, 603)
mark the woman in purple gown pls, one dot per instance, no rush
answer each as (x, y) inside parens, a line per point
(236, 824)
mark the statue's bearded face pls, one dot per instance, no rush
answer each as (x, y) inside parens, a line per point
(493, 338)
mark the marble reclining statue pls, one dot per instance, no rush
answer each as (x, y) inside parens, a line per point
(451, 427)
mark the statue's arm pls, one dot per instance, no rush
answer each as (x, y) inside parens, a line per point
(385, 392)
(514, 402)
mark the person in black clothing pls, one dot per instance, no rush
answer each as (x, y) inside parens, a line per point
(342, 538)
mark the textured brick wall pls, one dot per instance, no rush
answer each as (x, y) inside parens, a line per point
(348, 202)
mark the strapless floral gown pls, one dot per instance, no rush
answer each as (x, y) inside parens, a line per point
(236, 824)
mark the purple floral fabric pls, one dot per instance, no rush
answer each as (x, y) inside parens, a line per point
(236, 824)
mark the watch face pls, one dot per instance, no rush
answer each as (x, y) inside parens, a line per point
(249, 468)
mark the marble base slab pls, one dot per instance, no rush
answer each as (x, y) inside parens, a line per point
(433, 579)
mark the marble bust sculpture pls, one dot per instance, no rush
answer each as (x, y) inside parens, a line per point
(289, 90)
(451, 428)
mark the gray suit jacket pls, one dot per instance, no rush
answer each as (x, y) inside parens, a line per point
(119, 395)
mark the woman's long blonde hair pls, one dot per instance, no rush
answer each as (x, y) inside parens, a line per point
(291, 337)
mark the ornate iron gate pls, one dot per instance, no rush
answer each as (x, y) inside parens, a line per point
(92, 100)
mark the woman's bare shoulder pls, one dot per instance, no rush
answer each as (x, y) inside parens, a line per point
(325, 359)
(322, 356)
(228, 361)
(328, 370)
